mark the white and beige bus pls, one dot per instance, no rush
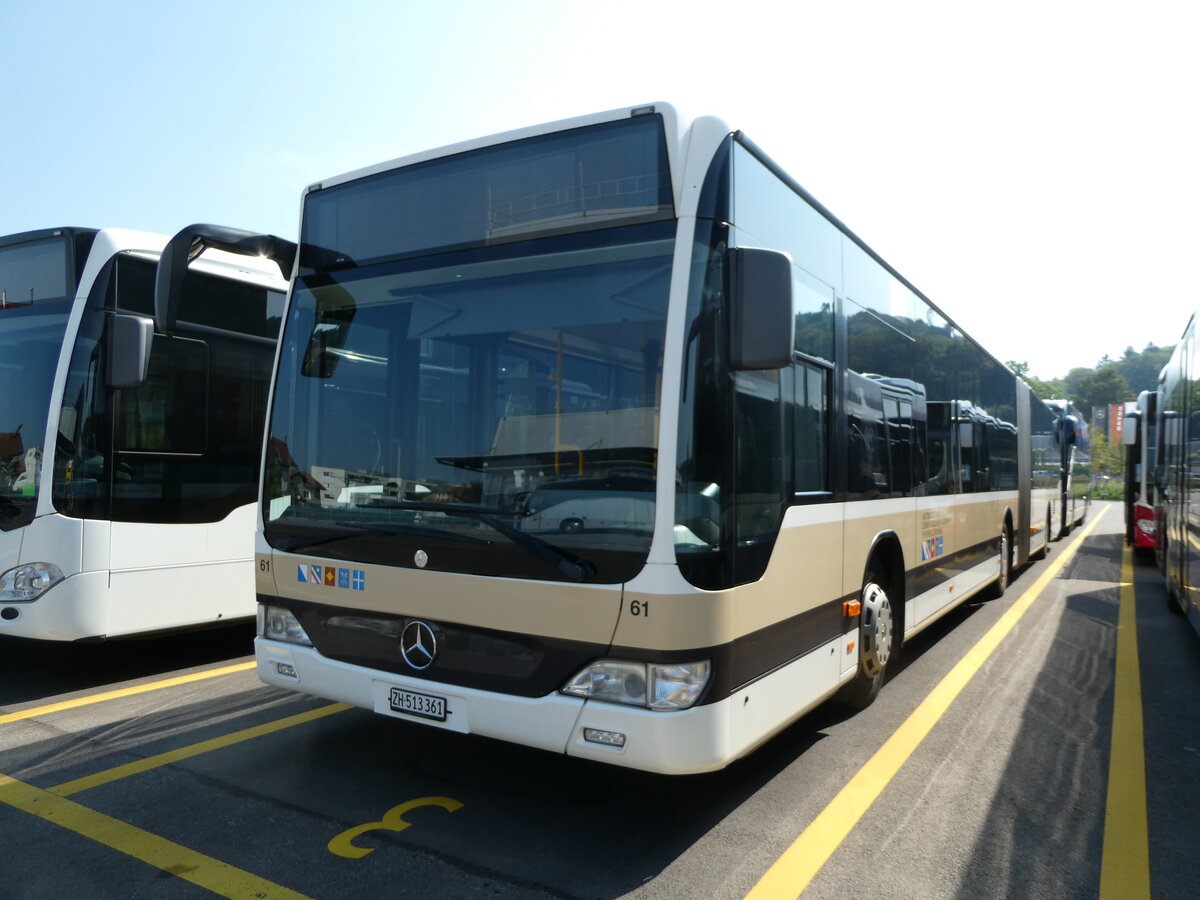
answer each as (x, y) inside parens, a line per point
(130, 453)
(604, 437)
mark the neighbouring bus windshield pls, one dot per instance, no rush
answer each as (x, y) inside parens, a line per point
(491, 408)
(34, 305)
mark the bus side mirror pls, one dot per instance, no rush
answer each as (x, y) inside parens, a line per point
(129, 339)
(1129, 430)
(762, 322)
(189, 243)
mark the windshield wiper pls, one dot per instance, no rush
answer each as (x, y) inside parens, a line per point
(572, 567)
(350, 530)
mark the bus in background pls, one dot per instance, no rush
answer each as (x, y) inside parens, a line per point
(129, 460)
(1178, 461)
(1139, 434)
(604, 437)
(1075, 444)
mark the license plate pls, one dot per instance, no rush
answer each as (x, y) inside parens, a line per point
(427, 706)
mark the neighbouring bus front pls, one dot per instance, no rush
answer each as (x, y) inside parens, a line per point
(36, 291)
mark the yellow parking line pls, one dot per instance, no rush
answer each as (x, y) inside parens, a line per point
(799, 864)
(123, 692)
(162, 759)
(1125, 863)
(211, 874)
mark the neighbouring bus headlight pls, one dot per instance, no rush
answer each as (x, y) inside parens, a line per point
(1146, 526)
(659, 686)
(278, 624)
(28, 582)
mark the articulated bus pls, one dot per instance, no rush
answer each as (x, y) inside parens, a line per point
(604, 437)
(1075, 445)
(129, 459)
(1139, 434)
(1178, 531)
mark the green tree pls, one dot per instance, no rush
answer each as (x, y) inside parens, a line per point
(1097, 389)
(1046, 390)
(1141, 369)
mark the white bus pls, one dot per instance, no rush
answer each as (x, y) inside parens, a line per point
(1178, 460)
(129, 460)
(604, 437)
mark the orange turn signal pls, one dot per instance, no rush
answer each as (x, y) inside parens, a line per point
(851, 608)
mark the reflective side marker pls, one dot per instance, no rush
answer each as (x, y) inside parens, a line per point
(607, 738)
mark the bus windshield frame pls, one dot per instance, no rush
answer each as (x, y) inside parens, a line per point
(486, 402)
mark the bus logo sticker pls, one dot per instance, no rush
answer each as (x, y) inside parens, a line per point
(329, 576)
(932, 548)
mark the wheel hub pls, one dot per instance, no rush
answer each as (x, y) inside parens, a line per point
(876, 628)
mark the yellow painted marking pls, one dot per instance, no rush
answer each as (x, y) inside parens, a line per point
(791, 873)
(1125, 864)
(211, 874)
(123, 692)
(393, 820)
(163, 759)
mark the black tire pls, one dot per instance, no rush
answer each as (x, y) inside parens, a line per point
(878, 644)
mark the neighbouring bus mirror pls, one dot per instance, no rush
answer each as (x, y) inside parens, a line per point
(762, 323)
(1129, 430)
(1068, 430)
(189, 243)
(129, 340)
(326, 343)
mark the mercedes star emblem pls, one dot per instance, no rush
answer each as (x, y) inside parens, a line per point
(418, 645)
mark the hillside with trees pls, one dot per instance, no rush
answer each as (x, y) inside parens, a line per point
(1111, 381)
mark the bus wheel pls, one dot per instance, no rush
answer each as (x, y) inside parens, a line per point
(996, 589)
(877, 644)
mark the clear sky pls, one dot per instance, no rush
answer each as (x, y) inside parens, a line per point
(1031, 166)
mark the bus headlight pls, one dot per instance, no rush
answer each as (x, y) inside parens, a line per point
(658, 686)
(279, 624)
(1146, 526)
(28, 582)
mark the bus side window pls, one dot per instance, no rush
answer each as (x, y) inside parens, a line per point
(810, 429)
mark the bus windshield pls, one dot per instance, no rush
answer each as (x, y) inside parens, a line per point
(456, 408)
(33, 318)
(30, 340)
(470, 371)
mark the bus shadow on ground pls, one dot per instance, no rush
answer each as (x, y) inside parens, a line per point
(33, 670)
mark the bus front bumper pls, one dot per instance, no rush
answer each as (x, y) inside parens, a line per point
(673, 743)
